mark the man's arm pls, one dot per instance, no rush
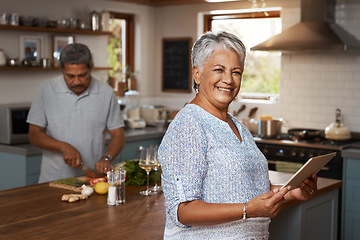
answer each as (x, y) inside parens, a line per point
(116, 143)
(38, 137)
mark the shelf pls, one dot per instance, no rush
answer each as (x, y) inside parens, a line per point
(53, 30)
(18, 68)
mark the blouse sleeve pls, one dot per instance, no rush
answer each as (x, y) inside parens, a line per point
(182, 155)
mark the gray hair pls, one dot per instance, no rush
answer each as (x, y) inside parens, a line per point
(76, 53)
(208, 42)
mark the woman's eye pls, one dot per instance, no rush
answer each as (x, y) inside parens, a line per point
(237, 73)
(218, 70)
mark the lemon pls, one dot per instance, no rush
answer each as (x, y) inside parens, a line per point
(101, 187)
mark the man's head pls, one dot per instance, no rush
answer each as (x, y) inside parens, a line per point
(76, 53)
(76, 64)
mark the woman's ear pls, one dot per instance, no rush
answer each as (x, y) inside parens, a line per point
(196, 74)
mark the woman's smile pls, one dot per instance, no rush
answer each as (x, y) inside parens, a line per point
(224, 89)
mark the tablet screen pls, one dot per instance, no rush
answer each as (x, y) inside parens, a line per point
(313, 165)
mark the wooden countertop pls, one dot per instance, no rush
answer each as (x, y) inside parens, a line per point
(37, 212)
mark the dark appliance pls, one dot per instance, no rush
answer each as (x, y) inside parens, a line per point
(286, 150)
(13, 126)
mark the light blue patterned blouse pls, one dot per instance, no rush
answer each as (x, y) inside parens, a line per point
(202, 158)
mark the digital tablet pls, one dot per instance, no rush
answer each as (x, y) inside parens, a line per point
(313, 165)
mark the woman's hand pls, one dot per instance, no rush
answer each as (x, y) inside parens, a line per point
(306, 191)
(267, 204)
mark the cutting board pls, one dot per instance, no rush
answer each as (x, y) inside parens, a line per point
(68, 187)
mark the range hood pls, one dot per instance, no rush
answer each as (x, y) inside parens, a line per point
(317, 31)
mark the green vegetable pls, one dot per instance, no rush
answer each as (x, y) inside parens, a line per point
(137, 176)
(72, 182)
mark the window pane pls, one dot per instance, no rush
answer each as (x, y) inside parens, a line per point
(262, 69)
(116, 47)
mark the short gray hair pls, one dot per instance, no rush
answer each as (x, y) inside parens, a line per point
(208, 42)
(76, 53)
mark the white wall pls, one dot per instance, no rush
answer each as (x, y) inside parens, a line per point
(312, 85)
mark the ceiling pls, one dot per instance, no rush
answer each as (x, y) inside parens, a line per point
(166, 2)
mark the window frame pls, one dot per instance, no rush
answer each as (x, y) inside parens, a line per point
(208, 18)
(129, 38)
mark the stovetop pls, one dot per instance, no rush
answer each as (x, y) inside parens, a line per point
(319, 142)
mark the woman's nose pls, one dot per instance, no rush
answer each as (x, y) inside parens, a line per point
(227, 78)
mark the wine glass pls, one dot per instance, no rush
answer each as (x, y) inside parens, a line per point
(146, 162)
(157, 187)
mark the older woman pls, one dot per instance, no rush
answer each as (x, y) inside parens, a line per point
(215, 179)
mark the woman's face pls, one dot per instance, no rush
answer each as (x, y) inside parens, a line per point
(220, 78)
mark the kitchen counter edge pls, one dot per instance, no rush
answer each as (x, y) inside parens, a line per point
(353, 152)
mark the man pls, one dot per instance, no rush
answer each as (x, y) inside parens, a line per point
(70, 116)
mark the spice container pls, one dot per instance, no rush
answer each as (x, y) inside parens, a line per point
(111, 200)
(120, 186)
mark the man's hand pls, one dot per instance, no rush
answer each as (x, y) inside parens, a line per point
(102, 166)
(71, 155)
(39, 137)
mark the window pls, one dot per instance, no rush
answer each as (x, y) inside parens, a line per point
(262, 69)
(121, 51)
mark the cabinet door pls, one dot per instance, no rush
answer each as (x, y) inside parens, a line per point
(319, 217)
(315, 219)
(351, 200)
(12, 170)
(351, 225)
(33, 169)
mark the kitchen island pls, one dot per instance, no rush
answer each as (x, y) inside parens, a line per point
(37, 212)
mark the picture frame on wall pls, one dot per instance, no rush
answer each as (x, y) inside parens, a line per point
(58, 43)
(31, 48)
